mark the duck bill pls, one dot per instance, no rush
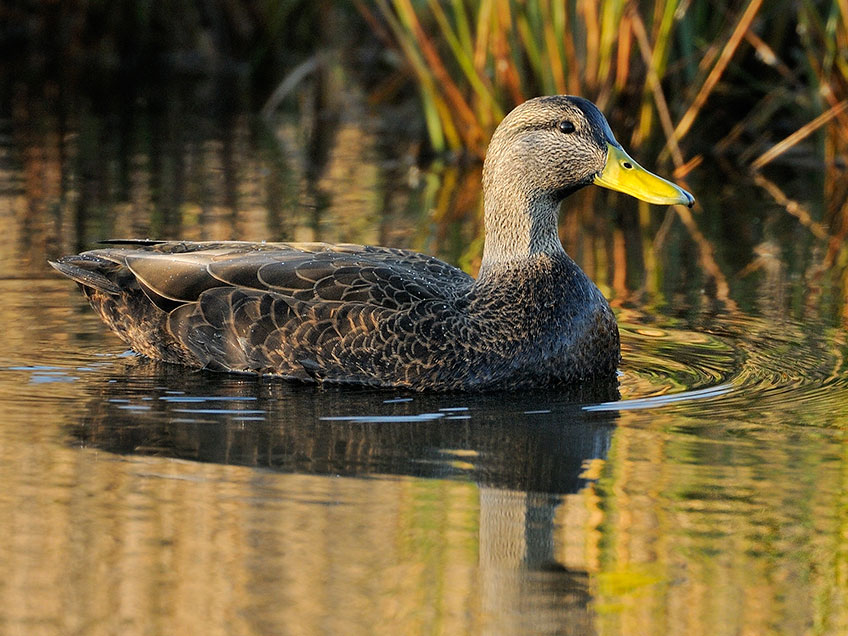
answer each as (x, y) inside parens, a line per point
(623, 174)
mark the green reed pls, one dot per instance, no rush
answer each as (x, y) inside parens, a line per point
(473, 60)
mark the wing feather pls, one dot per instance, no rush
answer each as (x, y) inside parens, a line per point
(343, 313)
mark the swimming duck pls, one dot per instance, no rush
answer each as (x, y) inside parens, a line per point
(391, 317)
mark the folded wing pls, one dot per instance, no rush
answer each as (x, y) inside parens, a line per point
(305, 310)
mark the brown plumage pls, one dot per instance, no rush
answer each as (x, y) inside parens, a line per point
(381, 316)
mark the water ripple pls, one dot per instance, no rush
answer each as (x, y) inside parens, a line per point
(740, 363)
(662, 400)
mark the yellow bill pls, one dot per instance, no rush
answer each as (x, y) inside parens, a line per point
(623, 174)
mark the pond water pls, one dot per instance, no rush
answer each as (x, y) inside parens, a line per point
(709, 497)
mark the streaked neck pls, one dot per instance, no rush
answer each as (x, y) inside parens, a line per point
(519, 227)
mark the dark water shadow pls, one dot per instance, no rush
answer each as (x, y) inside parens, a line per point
(536, 441)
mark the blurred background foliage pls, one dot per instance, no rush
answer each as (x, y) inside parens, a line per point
(765, 68)
(738, 77)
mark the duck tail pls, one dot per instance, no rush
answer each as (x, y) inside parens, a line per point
(84, 271)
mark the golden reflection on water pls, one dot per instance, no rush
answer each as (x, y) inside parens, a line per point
(202, 548)
(715, 535)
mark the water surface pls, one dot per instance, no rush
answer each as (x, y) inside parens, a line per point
(708, 496)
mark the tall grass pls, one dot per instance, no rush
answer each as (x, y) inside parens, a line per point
(473, 60)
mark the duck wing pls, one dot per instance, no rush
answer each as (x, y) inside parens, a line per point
(305, 310)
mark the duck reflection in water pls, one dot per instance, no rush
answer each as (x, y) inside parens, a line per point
(525, 452)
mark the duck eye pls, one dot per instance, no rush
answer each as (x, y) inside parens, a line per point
(566, 126)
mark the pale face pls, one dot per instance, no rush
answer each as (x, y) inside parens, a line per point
(551, 146)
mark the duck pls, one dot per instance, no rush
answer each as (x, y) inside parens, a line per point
(387, 317)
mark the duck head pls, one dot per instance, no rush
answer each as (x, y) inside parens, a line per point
(544, 150)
